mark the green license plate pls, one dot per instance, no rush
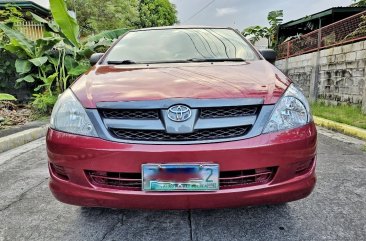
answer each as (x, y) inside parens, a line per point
(180, 177)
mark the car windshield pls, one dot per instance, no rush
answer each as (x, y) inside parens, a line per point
(181, 45)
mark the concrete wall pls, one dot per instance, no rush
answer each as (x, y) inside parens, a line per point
(336, 74)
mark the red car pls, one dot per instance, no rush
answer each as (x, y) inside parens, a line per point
(181, 118)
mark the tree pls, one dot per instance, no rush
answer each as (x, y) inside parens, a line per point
(11, 14)
(154, 13)
(257, 32)
(95, 16)
(358, 3)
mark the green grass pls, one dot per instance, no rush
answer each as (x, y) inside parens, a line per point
(36, 116)
(364, 148)
(346, 114)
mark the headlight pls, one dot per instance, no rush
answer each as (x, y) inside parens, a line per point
(291, 111)
(69, 115)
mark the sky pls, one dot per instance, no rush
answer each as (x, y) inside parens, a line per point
(240, 14)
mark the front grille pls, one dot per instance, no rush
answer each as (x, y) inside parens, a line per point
(208, 122)
(129, 181)
(206, 113)
(225, 112)
(230, 179)
(198, 135)
(140, 114)
(246, 177)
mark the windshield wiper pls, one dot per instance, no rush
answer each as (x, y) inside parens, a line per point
(147, 62)
(216, 60)
(127, 61)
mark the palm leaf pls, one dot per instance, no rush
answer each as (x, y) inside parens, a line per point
(67, 24)
(18, 39)
(48, 24)
(6, 97)
(108, 34)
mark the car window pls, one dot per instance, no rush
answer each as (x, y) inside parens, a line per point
(180, 44)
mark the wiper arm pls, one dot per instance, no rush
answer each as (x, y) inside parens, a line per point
(147, 62)
(216, 60)
(127, 61)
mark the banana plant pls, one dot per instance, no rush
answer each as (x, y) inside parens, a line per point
(32, 63)
(32, 55)
(58, 58)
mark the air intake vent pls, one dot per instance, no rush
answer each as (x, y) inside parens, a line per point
(129, 181)
(198, 135)
(246, 177)
(231, 179)
(131, 114)
(226, 112)
(59, 171)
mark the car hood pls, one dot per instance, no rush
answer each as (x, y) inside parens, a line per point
(110, 83)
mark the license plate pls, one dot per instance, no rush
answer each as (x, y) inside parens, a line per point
(180, 177)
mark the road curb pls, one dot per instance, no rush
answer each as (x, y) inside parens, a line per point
(11, 141)
(343, 128)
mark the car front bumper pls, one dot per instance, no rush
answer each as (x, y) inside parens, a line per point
(286, 150)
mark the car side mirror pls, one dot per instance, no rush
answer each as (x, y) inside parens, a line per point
(269, 55)
(95, 58)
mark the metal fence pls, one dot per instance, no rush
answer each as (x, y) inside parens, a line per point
(32, 30)
(347, 30)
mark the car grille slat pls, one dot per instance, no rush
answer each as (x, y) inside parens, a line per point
(246, 177)
(134, 114)
(225, 112)
(129, 181)
(229, 179)
(206, 134)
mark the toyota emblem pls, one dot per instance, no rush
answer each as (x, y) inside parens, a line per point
(179, 113)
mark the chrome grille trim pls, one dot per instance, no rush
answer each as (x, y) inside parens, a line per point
(166, 103)
(134, 124)
(224, 122)
(201, 124)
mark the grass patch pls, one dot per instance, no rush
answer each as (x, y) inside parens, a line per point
(36, 116)
(346, 114)
(364, 148)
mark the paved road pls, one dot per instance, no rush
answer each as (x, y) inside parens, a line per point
(335, 211)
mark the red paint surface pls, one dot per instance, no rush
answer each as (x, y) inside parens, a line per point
(255, 79)
(286, 150)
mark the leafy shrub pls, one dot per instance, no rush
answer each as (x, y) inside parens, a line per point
(6, 97)
(43, 103)
(53, 62)
(7, 70)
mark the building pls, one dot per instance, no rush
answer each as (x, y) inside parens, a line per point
(307, 24)
(29, 28)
